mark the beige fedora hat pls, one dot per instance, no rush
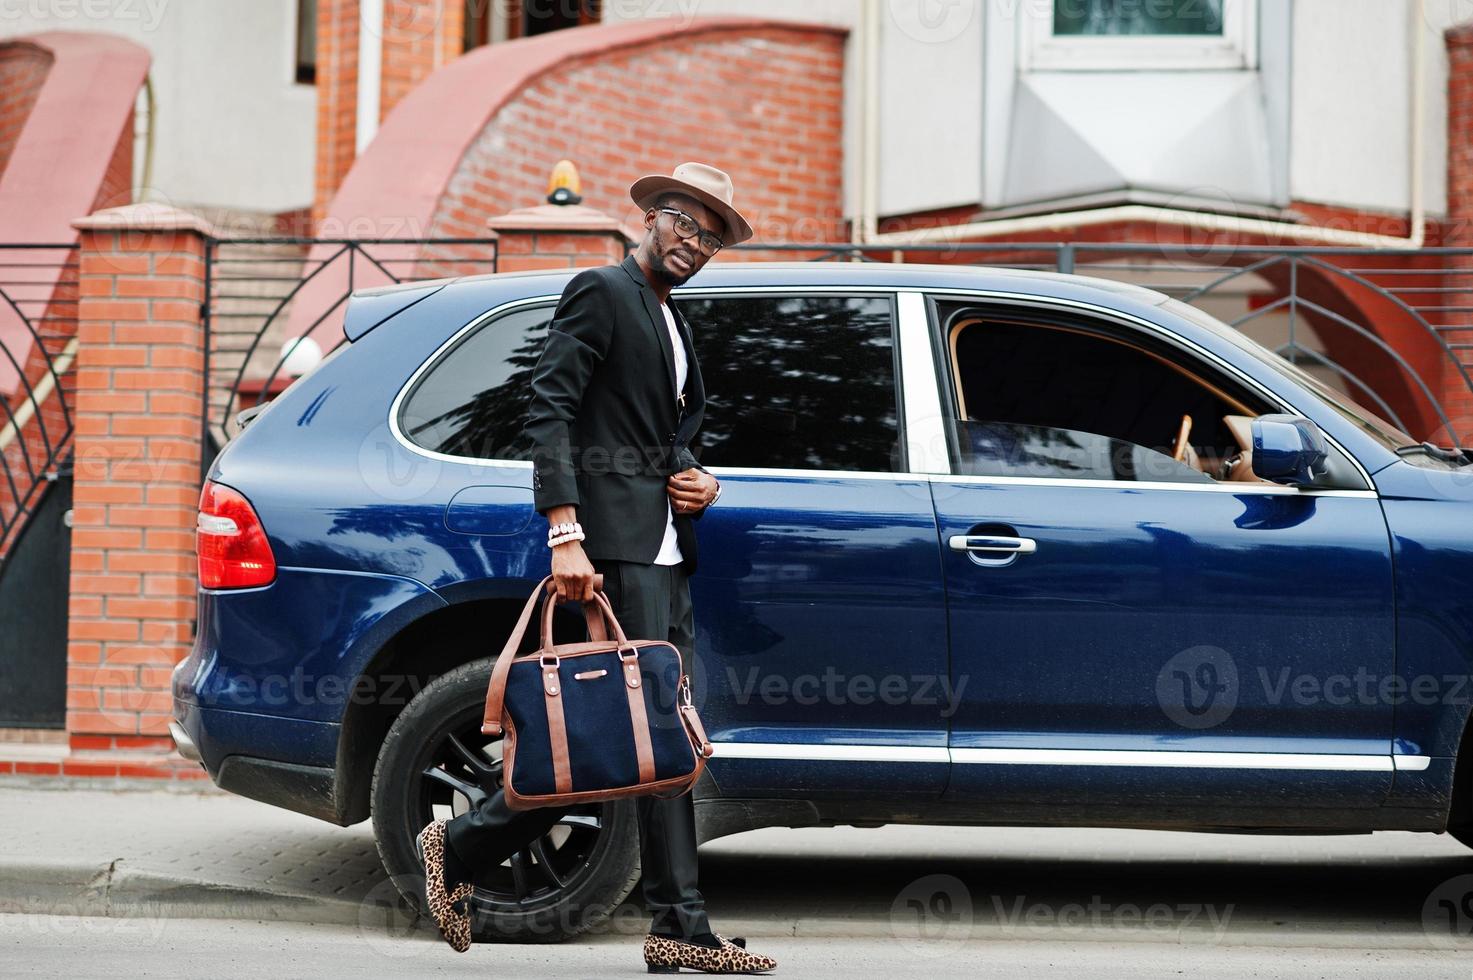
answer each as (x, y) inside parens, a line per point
(706, 184)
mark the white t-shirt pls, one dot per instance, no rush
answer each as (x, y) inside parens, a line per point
(669, 550)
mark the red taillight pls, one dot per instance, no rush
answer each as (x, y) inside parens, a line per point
(230, 541)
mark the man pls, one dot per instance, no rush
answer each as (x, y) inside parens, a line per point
(616, 399)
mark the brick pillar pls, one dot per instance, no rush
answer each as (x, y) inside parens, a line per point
(139, 396)
(1457, 400)
(551, 236)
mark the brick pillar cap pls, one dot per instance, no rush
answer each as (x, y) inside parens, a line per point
(149, 216)
(556, 217)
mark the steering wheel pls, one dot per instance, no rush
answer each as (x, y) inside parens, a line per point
(1179, 449)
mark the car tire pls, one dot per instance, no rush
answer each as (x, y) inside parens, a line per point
(433, 761)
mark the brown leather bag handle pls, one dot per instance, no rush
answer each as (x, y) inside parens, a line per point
(600, 604)
(496, 693)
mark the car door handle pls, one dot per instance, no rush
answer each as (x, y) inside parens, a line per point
(993, 543)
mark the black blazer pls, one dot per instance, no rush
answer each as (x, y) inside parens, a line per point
(604, 425)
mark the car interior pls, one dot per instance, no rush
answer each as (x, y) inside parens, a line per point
(1041, 394)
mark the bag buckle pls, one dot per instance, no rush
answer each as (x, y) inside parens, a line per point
(684, 691)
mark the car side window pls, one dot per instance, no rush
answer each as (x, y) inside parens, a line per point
(1044, 395)
(473, 402)
(797, 382)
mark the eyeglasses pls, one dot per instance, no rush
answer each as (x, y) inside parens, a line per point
(687, 227)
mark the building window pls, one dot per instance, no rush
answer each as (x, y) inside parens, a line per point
(1122, 35)
(306, 73)
(492, 21)
(1073, 18)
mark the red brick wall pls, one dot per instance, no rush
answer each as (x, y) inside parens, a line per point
(337, 97)
(1457, 399)
(420, 36)
(765, 105)
(140, 381)
(23, 69)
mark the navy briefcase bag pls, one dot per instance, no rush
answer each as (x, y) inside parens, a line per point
(599, 719)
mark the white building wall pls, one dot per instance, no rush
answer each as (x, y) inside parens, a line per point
(1351, 130)
(232, 129)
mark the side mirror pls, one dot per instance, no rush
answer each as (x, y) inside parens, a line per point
(1288, 449)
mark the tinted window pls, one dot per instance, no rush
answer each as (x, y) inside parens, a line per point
(474, 401)
(1058, 398)
(1010, 449)
(800, 382)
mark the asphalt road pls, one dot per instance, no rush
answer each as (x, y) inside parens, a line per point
(82, 948)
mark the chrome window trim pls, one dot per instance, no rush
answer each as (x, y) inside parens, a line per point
(513, 305)
(921, 408)
(433, 359)
(1181, 343)
(1232, 488)
(925, 431)
(1152, 758)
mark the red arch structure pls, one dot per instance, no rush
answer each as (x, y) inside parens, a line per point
(760, 98)
(68, 152)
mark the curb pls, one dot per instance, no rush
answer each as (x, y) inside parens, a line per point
(115, 890)
(111, 784)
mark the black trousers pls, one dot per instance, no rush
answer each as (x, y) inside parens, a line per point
(651, 601)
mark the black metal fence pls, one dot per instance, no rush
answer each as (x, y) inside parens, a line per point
(266, 292)
(38, 319)
(1390, 328)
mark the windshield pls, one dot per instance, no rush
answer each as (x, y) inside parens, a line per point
(1369, 422)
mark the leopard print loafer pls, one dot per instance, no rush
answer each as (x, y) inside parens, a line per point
(665, 955)
(451, 912)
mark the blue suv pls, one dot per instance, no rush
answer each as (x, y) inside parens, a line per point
(993, 548)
